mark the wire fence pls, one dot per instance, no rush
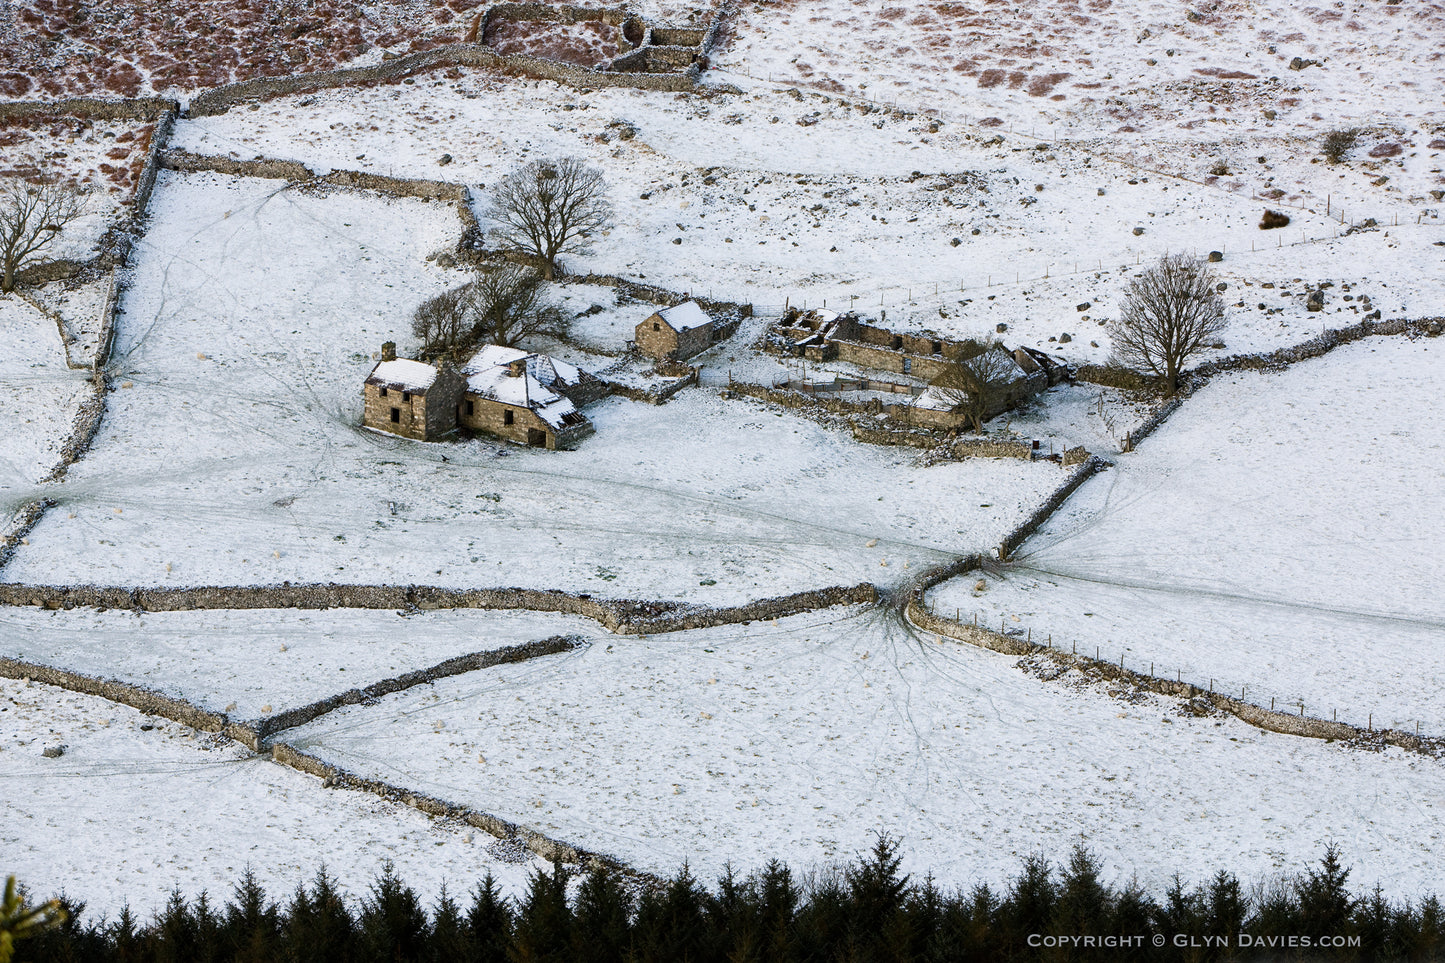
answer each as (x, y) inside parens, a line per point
(1254, 694)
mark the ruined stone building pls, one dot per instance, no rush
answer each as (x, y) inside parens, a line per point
(527, 398)
(823, 335)
(506, 392)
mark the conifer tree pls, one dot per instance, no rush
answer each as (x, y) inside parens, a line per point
(392, 925)
(252, 927)
(543, 930)
(318, 927)
(601, 925)
(490, 922)
(451, 938)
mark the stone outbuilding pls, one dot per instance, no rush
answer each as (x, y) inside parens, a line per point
(677, 333)
(411, 398)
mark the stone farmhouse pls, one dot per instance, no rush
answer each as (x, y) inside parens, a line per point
(679, 332)
(411, 398)
(523, 397)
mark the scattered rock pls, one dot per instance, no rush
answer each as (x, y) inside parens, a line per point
(1065, 338)
(1138, 231)
(955, 242)
(1299, 63)
(53, 752)
(1216, 256)
(1222, 286)
(444, 160)
(1084, 307)
(1000, 328)
(1315, 301)
(976, 232)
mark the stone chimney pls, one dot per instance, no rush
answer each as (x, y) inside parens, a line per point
(388, 351)
(517, 368)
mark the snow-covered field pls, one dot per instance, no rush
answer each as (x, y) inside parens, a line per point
(38, 398)
(138, 806)
(235, 456)
(819, 200)
(250, 663)
(1280, 533)
(1176, 87)
(798, 739)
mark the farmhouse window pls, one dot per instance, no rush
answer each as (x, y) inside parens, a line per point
(396, 416)
(907, 365)
(471, 408)
(938, 347)
(656, 326)
(507, 417)
(406, 396)
(383, 392)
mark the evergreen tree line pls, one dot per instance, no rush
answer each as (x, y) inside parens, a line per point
(867, 911)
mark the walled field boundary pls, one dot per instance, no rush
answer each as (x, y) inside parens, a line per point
(621, 616)
(916, 611)
(1277, 360)
(13, 534)
(1257, 716)
(218, 100)
(334, 777)
(254, 733)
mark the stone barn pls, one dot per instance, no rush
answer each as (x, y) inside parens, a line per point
(411, 398)
(677, 333)
(527, 398)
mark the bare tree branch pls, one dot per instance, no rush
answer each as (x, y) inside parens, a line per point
(510, 304)
(31, 217)
(1170, 313)
(444, 325)
(976, 384)
(548, 208)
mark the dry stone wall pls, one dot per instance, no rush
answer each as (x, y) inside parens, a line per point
(91, 108)
(1287, 723)
(137, 697)
(301, 715)
(623, 616)
(548, 848)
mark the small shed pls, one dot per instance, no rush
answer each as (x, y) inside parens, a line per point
(676, 333)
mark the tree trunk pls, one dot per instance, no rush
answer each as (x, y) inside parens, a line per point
(7, 284)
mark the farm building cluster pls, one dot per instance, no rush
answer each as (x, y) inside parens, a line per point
(823, 336)
(507, 392)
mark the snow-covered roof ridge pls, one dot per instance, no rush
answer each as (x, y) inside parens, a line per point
(403, 373)
(685, 316)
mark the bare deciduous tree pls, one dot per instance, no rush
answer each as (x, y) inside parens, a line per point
(1170, 313)
(509, 304)
(444, 325)
(31, 216)
(549, 207)
(501, 306)
(979, 383)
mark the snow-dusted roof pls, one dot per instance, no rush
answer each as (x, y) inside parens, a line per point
(489, 376)
(404, 374)
(685, 316)
(547, 371)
